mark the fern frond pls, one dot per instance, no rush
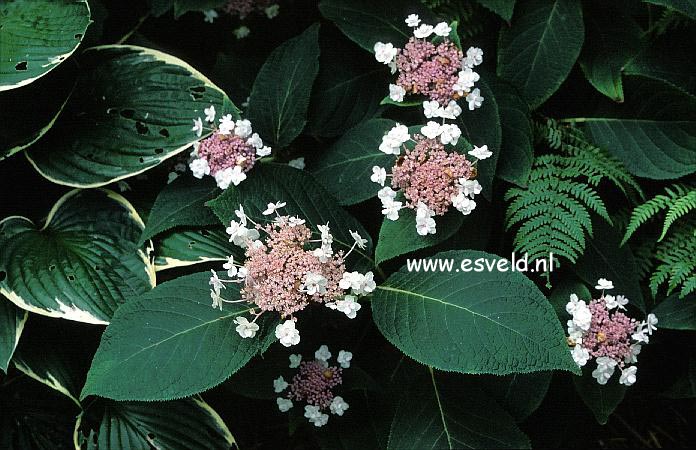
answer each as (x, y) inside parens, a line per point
(678, 201)
(676, 258)
(679, 208)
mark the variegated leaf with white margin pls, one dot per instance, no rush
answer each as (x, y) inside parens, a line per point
(82, 264)
(187, 247)
(12, 320)
(38, 35)
(133, 107)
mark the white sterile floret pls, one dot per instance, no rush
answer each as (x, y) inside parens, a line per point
(241, 215)
(344, 358)
(392, 141)
(481, 152)
(641, 334)
(272, 11)
(466, 80)
(241, 32)
(463, 203)
(287, 333)
(423, 31)
(255, 141)
(245, 328)
(628, 375)
(199, 167)
(431, 109)
(580, 355)
(273, 207)
(442, 29)
(431, 130)
(338, 406)
(605, 369)
(474, 57)
(348, 306)
(209, 113)
(297, 163)
(215, 282)
(359, 240)
(210, 15)
(323, 354)
(279, 384)
(241, 235)
(228, 176)
(242, 128)
(391, 208)
(633, 356)
(217, 300)
(379, 175)
(284, 404)
(412, 20)
(621, 301)
(197, 126)
(470, 187)
(604, 284)
(315, 416)
(474, 99)
(386, 193)
(230, 267)
(314, 283)
(450, 134)
(451, 111)
(295, 361)
(651, 323)
(582, 317)
(385, 53)
(263, 151)
(226, 124)
(572, 304)
(396, 93)
(426, 226)
(610, 301)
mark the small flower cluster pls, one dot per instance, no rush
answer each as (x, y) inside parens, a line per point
(283, 274)
(241, 9)
(429, 179)
(439, 71)
(602, 331)
(314, 384)
(227, 154)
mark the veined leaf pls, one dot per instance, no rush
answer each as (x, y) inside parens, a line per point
(503, 8)
(12, 320)
(189, 246)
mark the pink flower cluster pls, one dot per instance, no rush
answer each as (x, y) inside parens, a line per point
(430, 175)
(222, 151)
(609, 334)
(276, 270)
(243, 8)
(429, 69)
(314, 383)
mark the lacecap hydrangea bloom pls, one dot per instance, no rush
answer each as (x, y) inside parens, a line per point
(601, 330)
(229, 152)
(432, 65)
(315, 384)
(287, 269)
(427, 177)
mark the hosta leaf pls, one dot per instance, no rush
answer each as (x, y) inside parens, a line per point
(305, 198)
(442, 413)
(36, 36)
(186, 424)
(471, 322)
(181, 203)
(537, 52)
(503, 8)
(12, 320)
(344, 169)
(175, 341)
(132, 108)
(367, 22)
(186, 247)
(278, 105)
(676, 313)
(601, 399)
(82, 264)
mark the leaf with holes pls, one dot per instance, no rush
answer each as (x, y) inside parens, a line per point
(38, 35)
(479, 319)
(189, 246)
(305, 199)
(132, 108)
(540, 48)
(82, 264)
(439, 412)
(12, 320)
(278, 105)
(149, 334)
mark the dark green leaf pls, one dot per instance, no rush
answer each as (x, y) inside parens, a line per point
(519, 394)
(188, 246)
(12, 320)
(686, 7)
(676, 313)
(601, 399)
(503, 8)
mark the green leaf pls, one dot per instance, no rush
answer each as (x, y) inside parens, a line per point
(188, 246)
(305, 198)
(149, 334)
(503, 8)
(398, 237)
(676, 313)
(519, 394)
(132, 108)
(658, 150)
(516, 152)
(472, 322)
(181, 203)
(605, 258)
(686, 7)
(82, 264)
(367, 22)
(608, 48)
(186, 424)
(12, 320)
(348, 89)
(38, 35)
(479, 127)
(278, 105)
(601, 399)
(344, 169)
(540, 48)
(437, 413)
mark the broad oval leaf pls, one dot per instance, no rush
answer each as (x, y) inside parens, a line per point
(189, 246)
(676, 313)
(12, 320)
(471, 322)
(132, 108)
(305, 198)
(344, 169)
(38, 35)
(82, 264)
(278, 104)
(151, 334)
(443, 413)
(540, 48)
(602, 400)
(519, 394)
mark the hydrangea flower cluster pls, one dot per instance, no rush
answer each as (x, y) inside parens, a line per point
(284, 274)
(227, 154)
(600, 330)
(428, 178)
(314, 384)
(241, 9)
(439, 70)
